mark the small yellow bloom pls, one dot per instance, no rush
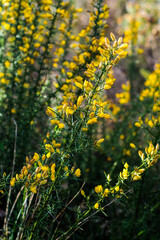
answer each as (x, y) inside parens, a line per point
(132, 145)
(79, 85)
(96, 206)
(150, 123)
(92, 120)
(1, 74)
(117, 188)
(125, 173)
(83, 193)
(126, 165)
(7, 64)
(33, 188)
(121, 136)
(13, 110)
(61, 125)
(53, 168)
(97, 143)
(50, 112)
(48, 155)
(45, 168)
(141, 170)
(69, 111)
(98, 189)
(77, 172)
(53, 177)
(106, 192)
(38, 176)
(108, 177)
(26, 85)
(36, 156)
(79, 101)
(137, 124)
(136, 178)
(12, 182)
(65, 168)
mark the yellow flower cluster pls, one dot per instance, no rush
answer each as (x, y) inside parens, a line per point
(96, 81)
(137, 27)
(152, 89)
(124, 97)
(35, 174)
(152, 155)
(151, 94)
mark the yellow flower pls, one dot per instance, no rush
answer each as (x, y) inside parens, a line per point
(7, 64)
(96, 206)
(53, 177)
(53, 168)
(79, 101)
(69, 111)
(33, 188)
(26, 85)
(65, 168)
(97, 143)
(79, 85)
(83, 193)
(108, 177)
(12, 182)
(126, 166)
(98, 189)
(150, 123)
(36, 156)
(61, 125)
(92, 120)
(13, 110)
(136, 178)
(6, 25)
(1, 74)
(121, 136)
(48, 154)
(125, 173)
(45, 168)
(50, 112)
(77, 172)
(137, 124)
(132, 145)
(117, 188)
(106, 192)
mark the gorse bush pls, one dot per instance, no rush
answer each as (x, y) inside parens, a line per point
(55, 176)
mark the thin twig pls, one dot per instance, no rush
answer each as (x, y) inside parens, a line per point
(13, 206)
(66, 207)
(87, 219)
(70, 201)
(20, 233)
(30, 200)
(5, 226)
(34, 210)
